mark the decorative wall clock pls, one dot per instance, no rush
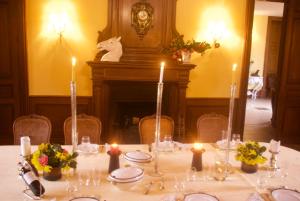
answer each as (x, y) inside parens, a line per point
(142, 17)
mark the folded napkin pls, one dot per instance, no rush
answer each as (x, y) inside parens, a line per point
(274, 146)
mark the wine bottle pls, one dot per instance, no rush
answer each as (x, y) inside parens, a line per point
(31, 180)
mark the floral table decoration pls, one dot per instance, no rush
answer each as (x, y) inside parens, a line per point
(51, 159)
(181, 50)
(250, 154)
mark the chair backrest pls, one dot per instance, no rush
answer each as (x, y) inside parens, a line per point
(37, 127)
(147, 128)
(210, 127)
(86, 126)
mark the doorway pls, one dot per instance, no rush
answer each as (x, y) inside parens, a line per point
(262, 78)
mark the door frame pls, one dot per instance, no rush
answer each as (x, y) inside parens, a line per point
(242, 101)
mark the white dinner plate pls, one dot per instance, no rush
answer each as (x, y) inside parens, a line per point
(88, 149)
(138, 156)
(84, 199)
(109, 178)
(137, 161)
(285, 195)
(126, 173)
(199, 197)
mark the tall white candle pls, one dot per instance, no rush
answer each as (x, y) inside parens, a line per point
(73, 60)
(233, 79)
(161, 75)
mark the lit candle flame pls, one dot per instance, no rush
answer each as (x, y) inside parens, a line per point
(198, 146)
(234, 67)
(161, 75)
(73, 61)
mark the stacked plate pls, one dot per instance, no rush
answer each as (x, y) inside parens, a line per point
(127, 177)
(138, 157)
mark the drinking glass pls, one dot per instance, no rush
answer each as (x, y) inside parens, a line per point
(168, 143)
(236, 138)
(220, 168)
(85, 140)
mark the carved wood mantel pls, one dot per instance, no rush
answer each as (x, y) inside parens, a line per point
(142, 54)
(105, 73)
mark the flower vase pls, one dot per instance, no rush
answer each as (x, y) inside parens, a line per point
(53, 175)
(186, 56)
(249, 168)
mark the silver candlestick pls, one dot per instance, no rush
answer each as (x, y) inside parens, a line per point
(74, 118)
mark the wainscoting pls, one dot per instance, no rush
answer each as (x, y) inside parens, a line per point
(57, 109)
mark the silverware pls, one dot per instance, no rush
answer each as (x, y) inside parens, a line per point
(162, 184)
(148, 188)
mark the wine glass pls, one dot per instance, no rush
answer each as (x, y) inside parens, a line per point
(168, 143)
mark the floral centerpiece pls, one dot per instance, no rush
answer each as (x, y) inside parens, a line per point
(52, 157)
(178, 47)
(250, 154)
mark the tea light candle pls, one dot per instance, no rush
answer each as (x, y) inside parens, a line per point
(73, 61)
(25, 146)
(114, 148)
(161, 75)
(197, 156)
(198, 146)
(114, 153)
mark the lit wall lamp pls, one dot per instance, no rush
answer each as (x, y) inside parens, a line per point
(218, 31)
(58, 23)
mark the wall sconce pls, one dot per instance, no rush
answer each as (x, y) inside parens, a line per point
(58, 23)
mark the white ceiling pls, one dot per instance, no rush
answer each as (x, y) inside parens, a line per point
(268, 8)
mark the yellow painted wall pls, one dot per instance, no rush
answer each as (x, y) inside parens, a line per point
(49, 63)
(259, 34)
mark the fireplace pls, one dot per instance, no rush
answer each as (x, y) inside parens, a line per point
(125, 91)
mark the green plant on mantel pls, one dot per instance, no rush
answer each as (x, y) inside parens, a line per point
(178, 45)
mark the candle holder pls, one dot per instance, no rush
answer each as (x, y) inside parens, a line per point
(156, 172)
(114, 162)
(229, 128)
(74, 118)
(274, 161)
(197, 159)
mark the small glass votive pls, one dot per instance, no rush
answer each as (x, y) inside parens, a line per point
(220, 169)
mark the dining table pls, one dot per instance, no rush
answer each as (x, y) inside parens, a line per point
(177, 177)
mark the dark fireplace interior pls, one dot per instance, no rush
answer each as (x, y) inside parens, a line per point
(129, 102)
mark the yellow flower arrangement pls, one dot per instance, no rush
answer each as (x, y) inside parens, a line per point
(48, 156)
(251, 153)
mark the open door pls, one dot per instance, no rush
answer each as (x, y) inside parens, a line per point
(288, 99)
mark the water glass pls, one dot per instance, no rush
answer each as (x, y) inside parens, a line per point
(85, 140)
(168, 143)
(220, 169)
(236, 138)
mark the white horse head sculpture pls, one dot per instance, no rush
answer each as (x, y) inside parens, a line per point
(114, 48)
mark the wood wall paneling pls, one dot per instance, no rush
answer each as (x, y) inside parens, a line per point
(13, 70)
(57, 109)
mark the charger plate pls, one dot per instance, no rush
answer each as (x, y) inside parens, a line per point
(84, 199)
(200, 197)
(283, 194)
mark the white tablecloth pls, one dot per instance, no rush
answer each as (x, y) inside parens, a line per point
(237, 187)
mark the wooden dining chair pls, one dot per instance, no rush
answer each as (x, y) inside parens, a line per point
(86, 126)
(37, 127)
(147, 128)
(210, 127)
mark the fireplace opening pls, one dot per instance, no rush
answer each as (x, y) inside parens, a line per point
(129, 102)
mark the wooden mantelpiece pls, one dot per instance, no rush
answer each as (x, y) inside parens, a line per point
(105, 74)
